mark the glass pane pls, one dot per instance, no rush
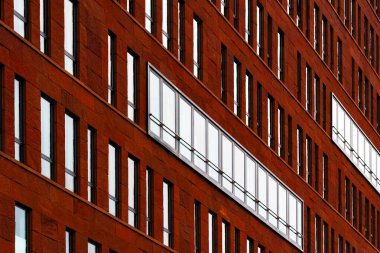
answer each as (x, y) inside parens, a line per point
(250, 182)
(227, 163)
(112, 206)
(19, 6)
(20, 230)
(69, 182)
(92, 248)
(45, 127)
(211, 232)
(131, 183)
(299, 223)
(292, 216)
(69, 26)
(131, 77)
(282, 209)
(45, 168)
(19, 26)
(69, 65)
(213, 151)
(42, 16)
(262, 196)
(154, 102)
(168, 115)
(112, 170)
(199, 140)
(69, 142)
(195, 42)
(272, 199)
(239, 173)
(17, 109)
(185, 128)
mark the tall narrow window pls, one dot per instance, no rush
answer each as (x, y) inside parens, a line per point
(365, 36)
(113, 179)
(21, 229)
(181, 34)
(132, 191)
(347, 198)
(47, 136)
(316, 28)
(316, 167)
(299, 152)
(70, 153)
(166, 23)
(91, 164)
(70, 36)
(270, 122)
(360, 211)
(224, 7)
(248, 99)
(316, 98)
(260, 249)
(280, 131)
(290, 141)
(366, 97)
(260, 29)
(168, 212)
(92, 247)
(211, 233)
(223, 66)
(346, 12)
(299, 13)
(149, 201)
(371, 46)
(248, 21)
(340, 244)
(307, 18)
(308, 157)
(289, 7)
(237, 106)
(197, 38)
(325, 238)
(259, 111)
(317, 234)
(359, 25)
(339, 191)
(149, 15)
(299, 82)
(325, 176)
(353, 210)
(331, 48)
(130, 6)
(236, 14)
(225, 237)
(249, 245)
(69, 240)
(269, 41)
(111, 68)
(19, 118)
(197, 223)
(324, 39)
(280, 55)
(308, 88)
(20, 17)
(353, 17)
(132, 85)
(360, 89)
(348, 247)
(324, 105)
(237, 240)
(44, 25)
(366, 218)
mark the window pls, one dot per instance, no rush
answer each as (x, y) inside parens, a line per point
(290, 141)
(130, 6)
(366, 218)
(113, 179)
(132, 61)
(197, 46)
(359, 26)
(20, 17)
(308, 157)
(69, 238)
(307, 22)
(197, 223)
(181, 34)
(248, 99)
(269, 41)
(280, 55)
(372, 224)
(70, 35)
(316, 28)
(225, 237)
(93, 247)
(340, 244)
(237, 106)
(316, 98)
(324, 105)
(70, 153)
(339, 190)
(248, 21)
(211, 232)
(299, 152)
(47, 137)
(324, 39)
(249, 245)
(149, 15)
(224, 7)
(91, 164)
(317, 234)
(372, 46)
(168, 212)
(21, 229)
(223, 73)
(132, 191)
(365, 36)
(280, 131)
(316, 167)
(149, 201)
(260, 30)
(353, 17)
(325, 176)
(299, 13)
(299, 76)
(270, 122)
(260, 249)
(289, 7)
(325, 238)
(19, 118)
(366, 97)
(331, 48)
(308, 88)
(346, 12)
(237, 240)
(259, 111)
(111, 68)
(166, 24)
(347, 198)
(353, 210)
(348, 247)
(360, 88)
(44, 26)
(236, 14)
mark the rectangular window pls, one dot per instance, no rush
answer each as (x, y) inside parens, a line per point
(280, 55)
(197, 226)
(353, 200)
(260, 249)
(166, 24)
(289, 7)
(93, 247)
(20, 17)
(237, 106)
(44, 26)
(331, 48)
(308, 157)
(236, 14)
(223, 78)
(167, 214)
(307, 17)
(316, 167)
(360, 211)
(325, 238)
(248, 99)
(299, 76)
(372, 46)
(70, 153)
(317, 234)
(339, 60)
(299, 151)
(365, 37)
(325, 176)
(270, 125)
(224, 7)
(149, 15)
(324, 39)
(70, 35)
(181, 34)
(360, 88)
(339, 191)
(111, 68)
(113, 179)
(69, 240)
(132, 68)
(211, 232)
(280, 131)
(260, 30)
(353, 17)
(47, 137)
(346, 17)
(22, 229)
(308, 88)
(324, 105)
(316, 28)
(290, 141)
(197, 47)
(269, 41)
(366, 218)
(237, 240)
(248, 21)
(259, 111)
(316, 99)
(91, 165)
(130, 6)
(372, 224)
(299, 14)
(19, 118)
(347, 198)
(366, 97)
(359, 26)
(225, 237)
(340, 244)
(348, 247)
(333, 241)
(132, 191)
(149, 201)
(378, 113)
(249, 245)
